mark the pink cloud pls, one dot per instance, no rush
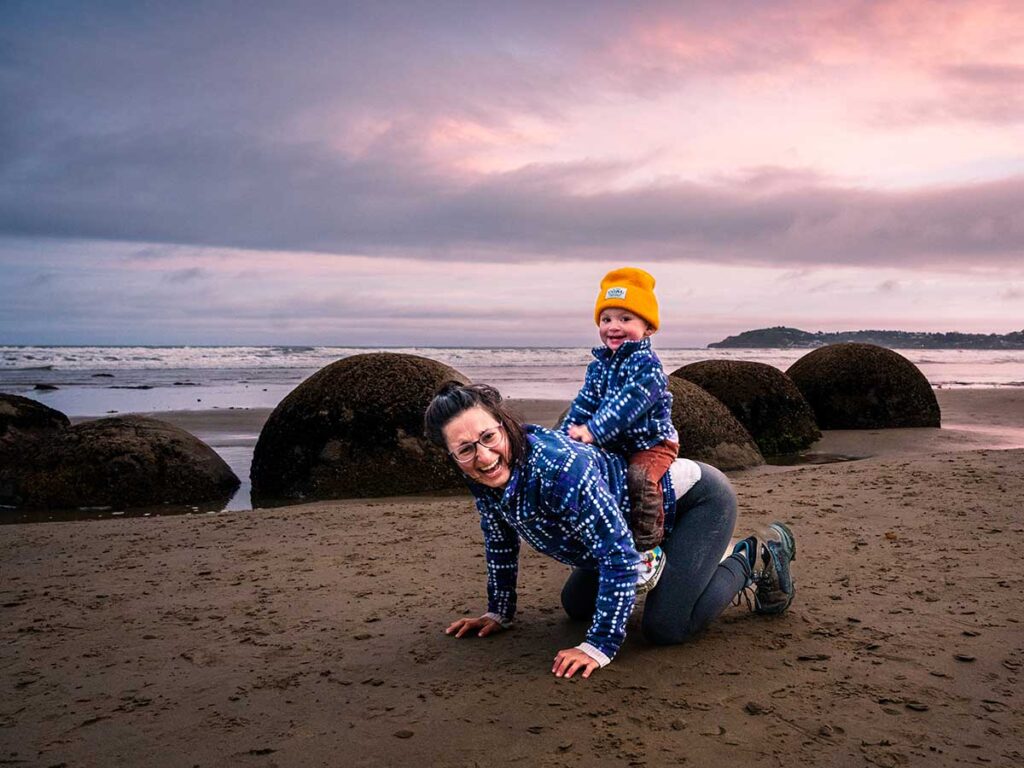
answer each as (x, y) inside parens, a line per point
(910, 58)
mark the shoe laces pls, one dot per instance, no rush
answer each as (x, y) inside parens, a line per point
(746, 595)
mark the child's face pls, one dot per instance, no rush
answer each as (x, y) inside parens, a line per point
(619, 325)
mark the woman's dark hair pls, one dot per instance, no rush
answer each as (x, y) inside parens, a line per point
(453, 398)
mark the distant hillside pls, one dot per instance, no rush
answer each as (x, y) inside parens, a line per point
(782, 337)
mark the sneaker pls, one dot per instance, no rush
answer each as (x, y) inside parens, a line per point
(747, 551)
(652, 563)
(775, 588)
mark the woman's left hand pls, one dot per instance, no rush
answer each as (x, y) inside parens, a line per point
(571, 660)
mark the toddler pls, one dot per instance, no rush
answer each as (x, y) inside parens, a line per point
(625, 406)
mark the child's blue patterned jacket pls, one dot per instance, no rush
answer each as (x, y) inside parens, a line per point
(566, 500)
(625, 402)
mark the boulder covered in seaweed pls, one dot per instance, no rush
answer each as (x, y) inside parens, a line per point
(355, 428)
(863, 386)
(762, 398)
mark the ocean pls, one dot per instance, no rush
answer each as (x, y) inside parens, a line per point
(94, 381)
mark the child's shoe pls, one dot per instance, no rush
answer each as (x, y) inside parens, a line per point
(652, 563)
(775, 588)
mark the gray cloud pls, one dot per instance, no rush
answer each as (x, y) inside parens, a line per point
(204, 191)
(1013, 293)
(188, 275)
(154, 253)
(41, 279)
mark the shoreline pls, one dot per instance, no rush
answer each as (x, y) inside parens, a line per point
(974, 419)
(967, 408)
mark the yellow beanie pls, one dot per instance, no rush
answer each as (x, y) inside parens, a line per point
(628, 288)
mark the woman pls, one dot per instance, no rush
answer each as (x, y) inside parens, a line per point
(565, 499)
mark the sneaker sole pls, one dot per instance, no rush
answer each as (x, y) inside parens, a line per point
(775, 610)
(651, 583)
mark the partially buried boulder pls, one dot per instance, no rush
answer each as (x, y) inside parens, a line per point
(707, 431)
(863, 386)
(22, 419)
(125, 461)
(355, 428)
(763, 400)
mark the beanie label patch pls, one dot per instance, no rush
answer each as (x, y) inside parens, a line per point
(615, 293)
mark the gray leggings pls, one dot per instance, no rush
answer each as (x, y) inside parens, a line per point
(697, 585)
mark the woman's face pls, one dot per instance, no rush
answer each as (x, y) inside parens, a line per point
(488, 466)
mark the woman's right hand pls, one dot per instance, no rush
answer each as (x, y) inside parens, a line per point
(484, 624)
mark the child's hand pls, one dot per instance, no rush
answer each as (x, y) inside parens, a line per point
(581, 433)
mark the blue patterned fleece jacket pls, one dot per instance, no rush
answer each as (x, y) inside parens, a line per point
(625, 402)
(565, 500)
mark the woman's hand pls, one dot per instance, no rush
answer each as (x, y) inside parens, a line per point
(484, 624)
(571, 660)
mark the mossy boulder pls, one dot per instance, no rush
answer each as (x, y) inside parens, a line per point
(863, 386)
(762, 398)
(708, 432)
(353, 429)
(119, 462)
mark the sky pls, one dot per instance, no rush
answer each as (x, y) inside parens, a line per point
(456, 173)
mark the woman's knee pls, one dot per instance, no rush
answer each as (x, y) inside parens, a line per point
(664, 633)
(576, 609)
(718, 485)
(579, 596)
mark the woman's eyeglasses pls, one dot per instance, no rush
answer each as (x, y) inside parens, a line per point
(489, 438)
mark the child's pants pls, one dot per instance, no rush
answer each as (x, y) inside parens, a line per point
(646, 468)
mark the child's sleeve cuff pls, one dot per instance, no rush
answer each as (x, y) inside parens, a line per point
(595, 654)
(505, 623)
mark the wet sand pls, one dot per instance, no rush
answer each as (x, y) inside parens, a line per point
(970, 417)
(312, 635)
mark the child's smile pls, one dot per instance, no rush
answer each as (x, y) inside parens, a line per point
(617, 326)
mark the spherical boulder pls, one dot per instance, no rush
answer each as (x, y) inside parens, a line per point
(24, 419)
(355, 428)
(763, 400)
(863, 386)
(124, 461)
(708, 432)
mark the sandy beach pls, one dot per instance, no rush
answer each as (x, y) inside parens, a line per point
(313, 635)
